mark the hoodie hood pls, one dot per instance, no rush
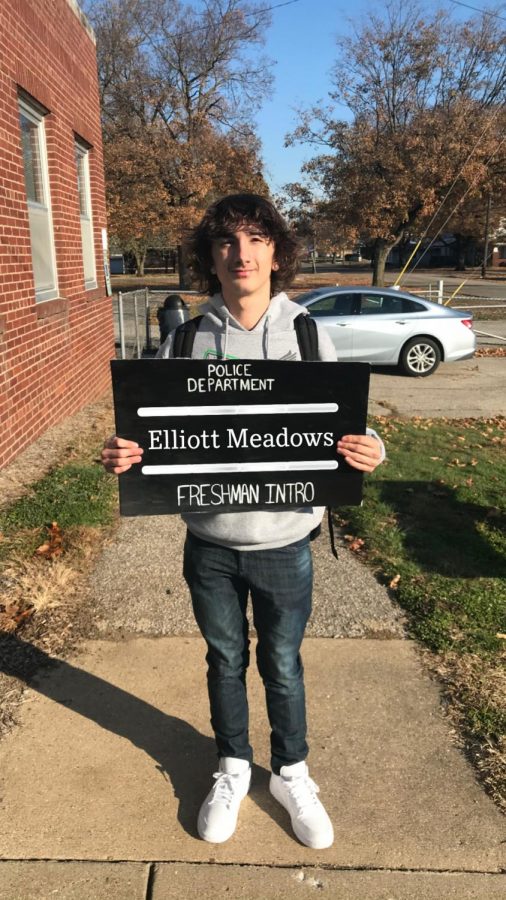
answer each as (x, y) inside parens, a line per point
(280, 312)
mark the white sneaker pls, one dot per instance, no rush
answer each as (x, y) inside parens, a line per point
(296, 791)
(218, 813)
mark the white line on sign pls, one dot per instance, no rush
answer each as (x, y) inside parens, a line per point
(241, 467)
(253, 409)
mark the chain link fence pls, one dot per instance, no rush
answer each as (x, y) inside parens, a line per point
(135, 322)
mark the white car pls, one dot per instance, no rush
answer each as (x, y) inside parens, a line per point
(386, 327)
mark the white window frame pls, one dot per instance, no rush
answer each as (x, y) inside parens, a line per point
(82, 152)
(40, 214)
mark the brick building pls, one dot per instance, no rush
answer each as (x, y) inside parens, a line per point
(56, 328)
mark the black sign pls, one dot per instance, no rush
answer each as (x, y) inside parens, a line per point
(239, 434)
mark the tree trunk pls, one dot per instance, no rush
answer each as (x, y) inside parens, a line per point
(140, 259)
(461, 253)
(381, 251)
(184, 282)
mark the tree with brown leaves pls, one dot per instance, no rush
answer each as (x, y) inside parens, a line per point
(426, 99)
(178, 88)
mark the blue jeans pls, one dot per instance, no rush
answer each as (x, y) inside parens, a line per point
(280, 582)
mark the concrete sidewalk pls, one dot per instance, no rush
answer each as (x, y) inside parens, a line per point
(102, 782)
(115, 754)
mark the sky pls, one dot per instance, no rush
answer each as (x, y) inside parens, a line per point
(302, 41)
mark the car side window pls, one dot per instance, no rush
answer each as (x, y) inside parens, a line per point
(384, 304)
(333, 305)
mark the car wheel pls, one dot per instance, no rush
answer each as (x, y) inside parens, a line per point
(420, 357)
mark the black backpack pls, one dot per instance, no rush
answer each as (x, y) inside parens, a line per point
(305, 329)
(307, 339)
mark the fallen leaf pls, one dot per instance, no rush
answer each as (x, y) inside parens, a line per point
(12, 615)
(357, 545)
(54, 546)
(395, 581)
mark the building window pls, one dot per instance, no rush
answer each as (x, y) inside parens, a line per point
(83, 188)
(33, 143)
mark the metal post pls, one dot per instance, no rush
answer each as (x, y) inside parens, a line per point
(148, 323)
(440, 286)
(121, 325)
(485, 249)
(137, 336)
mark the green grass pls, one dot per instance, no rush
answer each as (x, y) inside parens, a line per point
(74, 495)
(434, 513)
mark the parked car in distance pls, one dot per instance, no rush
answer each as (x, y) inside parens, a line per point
(386, 327)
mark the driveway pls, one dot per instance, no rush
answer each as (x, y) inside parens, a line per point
(472, 388)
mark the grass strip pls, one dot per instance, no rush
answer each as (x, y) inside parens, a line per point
(48, 540)
(75, 496)
(432, 525)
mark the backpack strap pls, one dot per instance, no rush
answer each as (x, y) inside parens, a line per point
(305, 329)
(307, 337)
(184, 338)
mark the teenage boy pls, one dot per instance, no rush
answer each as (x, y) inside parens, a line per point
(244, 254)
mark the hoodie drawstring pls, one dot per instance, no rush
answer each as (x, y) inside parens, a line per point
(225, 342)
(266, 335)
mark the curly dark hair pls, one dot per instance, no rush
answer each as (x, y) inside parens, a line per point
(227, 216)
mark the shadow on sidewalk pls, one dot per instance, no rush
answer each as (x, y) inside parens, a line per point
(181, 753)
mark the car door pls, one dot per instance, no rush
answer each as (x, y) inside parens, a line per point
(383, 324)
(337, 313)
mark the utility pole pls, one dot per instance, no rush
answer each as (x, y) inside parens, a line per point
(485, 249)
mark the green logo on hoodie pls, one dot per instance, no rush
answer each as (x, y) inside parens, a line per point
(212, 354)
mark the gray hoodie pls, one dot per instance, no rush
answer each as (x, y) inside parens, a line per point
(273, 337)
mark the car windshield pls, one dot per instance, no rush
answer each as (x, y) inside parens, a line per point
(310, 295)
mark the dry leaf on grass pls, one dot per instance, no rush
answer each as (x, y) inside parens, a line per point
(54, 546)
(12, 614)
(490, 351)
(355, 543)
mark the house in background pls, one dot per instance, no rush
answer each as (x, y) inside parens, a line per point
(56, 326)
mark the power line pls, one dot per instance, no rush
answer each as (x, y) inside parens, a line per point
(256, 12)
(459, 173)
(454, 210)
(484, 12)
